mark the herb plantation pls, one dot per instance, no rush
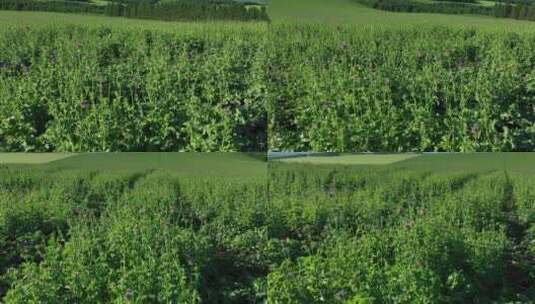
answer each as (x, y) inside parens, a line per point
(306, 234)
(418, 88)
(130, 88)
(304, 227)
(249, 87)
(382, 236)
(101, 236)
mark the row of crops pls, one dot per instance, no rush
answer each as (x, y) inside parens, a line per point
(388, 236)
(304, 235)
(247, 87)
(144, 237)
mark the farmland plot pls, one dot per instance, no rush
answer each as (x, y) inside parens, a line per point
(384, 235)
(113, 88)
(95, 236)
(307, 233)
(124, 86)
(353, 89)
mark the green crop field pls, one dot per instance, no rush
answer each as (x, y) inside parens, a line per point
(381, 234)
(93, 219)
(229, 86)
(306, 234)
(80, 84)
(400, 85)
(106, 236)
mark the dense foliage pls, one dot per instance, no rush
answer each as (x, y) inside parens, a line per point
(51, 6)
(348, 88)
(106, 88)
(414, 6)
(172, 10)
(225, 87)
(332, 234)
(524, 11)
(516, 9)
(87, 237)
(387, 237)
(187, 10)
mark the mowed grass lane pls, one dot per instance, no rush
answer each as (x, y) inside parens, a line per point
(216, 164)
(351, 159)
(32, 158)
(29, 18)
(522, 163)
